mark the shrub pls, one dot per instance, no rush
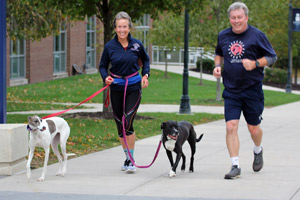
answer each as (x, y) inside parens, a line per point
(275, 75)
(207, 64)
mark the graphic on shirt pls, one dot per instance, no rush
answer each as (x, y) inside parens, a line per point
(236, 51)
(135, 47)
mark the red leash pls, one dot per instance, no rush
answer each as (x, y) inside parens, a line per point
(89, 98)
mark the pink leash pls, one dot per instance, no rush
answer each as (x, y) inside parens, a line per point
(90, 97)
(123, 125)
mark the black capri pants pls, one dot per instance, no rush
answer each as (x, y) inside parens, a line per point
(133, 99)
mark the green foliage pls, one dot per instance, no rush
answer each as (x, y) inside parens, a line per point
(275, 75)
(168, 31)
(207, 65)
(32, 19)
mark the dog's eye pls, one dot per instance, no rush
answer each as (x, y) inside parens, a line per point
(36, 121)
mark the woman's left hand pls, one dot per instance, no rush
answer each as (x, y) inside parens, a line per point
(145, 81)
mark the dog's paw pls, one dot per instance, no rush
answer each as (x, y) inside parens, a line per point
(172, 173)
(28, 174)
(60, 174)
(41, 179)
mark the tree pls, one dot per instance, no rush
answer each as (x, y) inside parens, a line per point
(168, 31)
(32, 19)
(105, 10)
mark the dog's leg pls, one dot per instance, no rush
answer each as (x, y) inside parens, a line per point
(63, 151)
(30, 156)
(47, 151)
(172, 173)
(54, 144)
(64, 135)
(193, 151)
(169, 154)
(183, 163)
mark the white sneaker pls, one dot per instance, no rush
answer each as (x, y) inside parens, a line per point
(125, 166)
(130, 168)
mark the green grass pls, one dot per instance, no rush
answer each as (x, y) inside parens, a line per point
(89, 135)
(160, 91)
(23, 106)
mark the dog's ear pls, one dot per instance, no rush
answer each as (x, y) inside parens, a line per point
(162, 125)
(29, 118)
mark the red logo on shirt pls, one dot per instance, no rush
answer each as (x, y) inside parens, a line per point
(236, 49)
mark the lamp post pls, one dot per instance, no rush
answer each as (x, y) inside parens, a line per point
(288, 88)
(2, 61)
(185, 107)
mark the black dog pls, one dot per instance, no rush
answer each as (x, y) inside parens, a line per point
(174, 134)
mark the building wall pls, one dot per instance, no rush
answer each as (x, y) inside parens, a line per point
(39, 54)
(77, 43)
(40, 64)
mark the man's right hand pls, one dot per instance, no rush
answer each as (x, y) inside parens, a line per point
(217, 72)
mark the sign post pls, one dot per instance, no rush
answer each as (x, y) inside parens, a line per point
(2, 61)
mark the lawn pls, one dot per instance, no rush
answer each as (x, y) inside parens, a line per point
(89, 135)
(160, 91)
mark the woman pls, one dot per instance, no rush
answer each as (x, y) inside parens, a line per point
(124, 52)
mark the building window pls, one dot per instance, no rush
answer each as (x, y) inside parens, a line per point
(142, 30)
(17, 59)
(91, 43)
(59, 53)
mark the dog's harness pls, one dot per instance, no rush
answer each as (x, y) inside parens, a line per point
(126, 78)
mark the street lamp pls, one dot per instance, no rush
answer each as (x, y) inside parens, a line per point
(185, 107)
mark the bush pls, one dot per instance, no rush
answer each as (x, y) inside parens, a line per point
(275, 75)
(207, 64)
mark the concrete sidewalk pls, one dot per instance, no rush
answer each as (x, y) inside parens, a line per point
(98, 175)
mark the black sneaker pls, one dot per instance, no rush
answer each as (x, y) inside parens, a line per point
(258, 161)
(125, 166)
(235, 172)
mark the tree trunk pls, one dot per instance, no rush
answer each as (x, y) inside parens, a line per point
(166, 67)
(107, 24)
(201, 69)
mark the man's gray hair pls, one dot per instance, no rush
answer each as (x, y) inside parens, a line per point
(123, 15)
(236, 6)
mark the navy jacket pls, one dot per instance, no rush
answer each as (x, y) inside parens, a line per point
(124, 62)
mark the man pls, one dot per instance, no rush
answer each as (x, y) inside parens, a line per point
(244, 50)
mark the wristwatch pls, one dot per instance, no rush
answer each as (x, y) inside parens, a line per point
(256, 63)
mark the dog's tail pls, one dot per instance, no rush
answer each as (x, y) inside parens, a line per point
(200, 137)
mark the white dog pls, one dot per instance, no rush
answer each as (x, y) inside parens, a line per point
(54, 130)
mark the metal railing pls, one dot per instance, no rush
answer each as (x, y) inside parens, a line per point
(175, 57)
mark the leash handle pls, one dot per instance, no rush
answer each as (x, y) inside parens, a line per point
(107, 99)
(89, 98)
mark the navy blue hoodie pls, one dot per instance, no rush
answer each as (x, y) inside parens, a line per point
(124, 62)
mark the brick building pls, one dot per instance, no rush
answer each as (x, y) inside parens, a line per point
(78, 43)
